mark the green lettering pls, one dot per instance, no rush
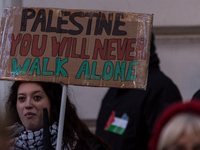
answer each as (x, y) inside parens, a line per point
(93, 76)
(44, 70)
(108, 76)
(84, 68)
(35, 65)
(120, 71)
(20, 70)
(59, 69)
(129, 76)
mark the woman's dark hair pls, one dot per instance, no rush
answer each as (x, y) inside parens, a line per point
(73, 127)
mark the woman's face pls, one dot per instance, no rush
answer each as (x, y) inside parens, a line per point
(186, 142)
(31, 99)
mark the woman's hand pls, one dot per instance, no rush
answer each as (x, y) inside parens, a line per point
(9, 142)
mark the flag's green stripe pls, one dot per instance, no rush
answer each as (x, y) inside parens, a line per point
(115, 129)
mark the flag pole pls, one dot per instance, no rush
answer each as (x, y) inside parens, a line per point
(61, 117)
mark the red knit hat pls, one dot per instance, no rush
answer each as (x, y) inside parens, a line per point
(192, 106)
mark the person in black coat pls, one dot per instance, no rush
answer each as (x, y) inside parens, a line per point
(127, 116)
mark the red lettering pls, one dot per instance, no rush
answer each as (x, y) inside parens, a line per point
(141, 43)
(25, 45)
(83, 56)
(14, 43)
(37, 52)
(57, 48)
(74, 55)
(130, 49)
(110, 49)
(69, 43)
(121, 50)
(98, 47)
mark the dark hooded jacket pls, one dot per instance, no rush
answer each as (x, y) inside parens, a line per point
(141, 108)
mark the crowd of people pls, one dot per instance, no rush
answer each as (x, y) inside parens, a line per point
(129, 119)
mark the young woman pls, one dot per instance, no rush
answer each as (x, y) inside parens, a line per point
(25, 106)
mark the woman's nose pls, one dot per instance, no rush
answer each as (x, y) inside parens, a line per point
(28, 103)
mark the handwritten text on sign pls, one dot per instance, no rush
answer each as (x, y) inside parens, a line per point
(77, 47)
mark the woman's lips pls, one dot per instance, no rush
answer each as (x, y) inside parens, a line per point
(29, 115)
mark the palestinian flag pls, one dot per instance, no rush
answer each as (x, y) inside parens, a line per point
(115, 124)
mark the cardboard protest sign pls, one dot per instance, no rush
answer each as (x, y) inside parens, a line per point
(80, 47)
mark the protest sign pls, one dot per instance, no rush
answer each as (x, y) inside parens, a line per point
(79, 47)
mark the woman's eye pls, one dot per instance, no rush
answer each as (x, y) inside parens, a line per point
(37, 98)
(21, 99)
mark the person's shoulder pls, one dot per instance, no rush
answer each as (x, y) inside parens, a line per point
(161, 84)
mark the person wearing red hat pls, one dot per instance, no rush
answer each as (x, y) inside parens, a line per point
(178, 128)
